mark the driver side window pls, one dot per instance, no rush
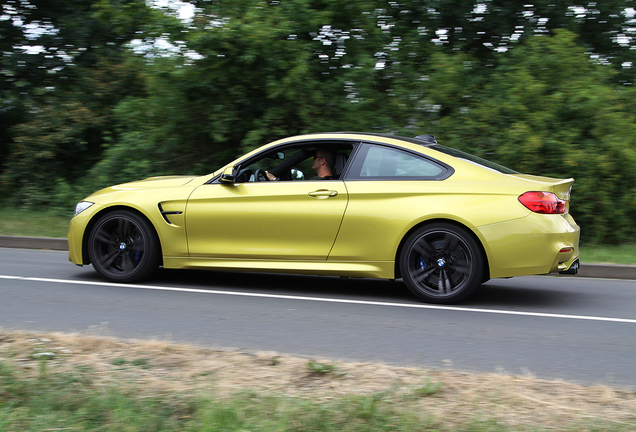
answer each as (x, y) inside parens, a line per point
(290, 163)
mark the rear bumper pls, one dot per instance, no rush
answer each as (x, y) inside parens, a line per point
(535, 244)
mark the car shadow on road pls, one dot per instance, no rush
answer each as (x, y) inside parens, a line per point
(517, 293)
(522, 292)
(301, 285)
(506, 293)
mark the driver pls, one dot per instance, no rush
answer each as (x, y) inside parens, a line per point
(324, 163)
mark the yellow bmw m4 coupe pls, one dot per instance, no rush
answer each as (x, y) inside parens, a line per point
(339, 204)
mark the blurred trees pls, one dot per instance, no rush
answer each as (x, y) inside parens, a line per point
(548, 110)
(543, 87)
(66, 65)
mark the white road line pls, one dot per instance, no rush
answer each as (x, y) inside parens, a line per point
(325, 300)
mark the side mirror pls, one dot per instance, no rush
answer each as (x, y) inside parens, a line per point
(228, 176)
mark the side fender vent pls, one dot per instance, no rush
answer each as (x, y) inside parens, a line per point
(165, 214)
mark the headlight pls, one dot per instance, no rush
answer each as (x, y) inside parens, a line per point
(81, 206)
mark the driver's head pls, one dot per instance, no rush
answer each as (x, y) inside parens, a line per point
(328, 155)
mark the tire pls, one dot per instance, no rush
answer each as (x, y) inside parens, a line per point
(123, 247)
(441, 263)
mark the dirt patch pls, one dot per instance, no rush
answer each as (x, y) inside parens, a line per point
(176, 370)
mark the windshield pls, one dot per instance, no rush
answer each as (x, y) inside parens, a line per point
(471, 158)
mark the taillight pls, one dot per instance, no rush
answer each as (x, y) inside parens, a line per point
(543, 202)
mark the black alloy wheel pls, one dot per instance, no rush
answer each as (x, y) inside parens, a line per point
(123, 247)
(441, 263)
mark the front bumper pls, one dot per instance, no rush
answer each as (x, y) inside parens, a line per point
(76, 230)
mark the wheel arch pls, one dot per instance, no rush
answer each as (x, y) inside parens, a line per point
(89, 227)
(486, 263)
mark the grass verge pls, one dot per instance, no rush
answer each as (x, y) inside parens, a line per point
(15, 222)
(51, 224)
(609, 254)
(92, 383)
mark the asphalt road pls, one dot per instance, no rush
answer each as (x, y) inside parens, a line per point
(573, 328)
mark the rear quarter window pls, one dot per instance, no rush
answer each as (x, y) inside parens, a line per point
(376, 162)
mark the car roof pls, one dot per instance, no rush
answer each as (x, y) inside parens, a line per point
(423, 140)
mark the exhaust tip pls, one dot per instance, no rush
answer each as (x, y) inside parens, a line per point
(574, 268)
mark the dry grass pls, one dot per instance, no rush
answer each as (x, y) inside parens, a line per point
(452, 398)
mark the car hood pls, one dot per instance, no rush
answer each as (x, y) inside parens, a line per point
(164, 182)
(155, 182)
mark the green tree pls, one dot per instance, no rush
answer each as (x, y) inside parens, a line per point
(66, 67)
(67, 133)
(549, 110)
(262, 73)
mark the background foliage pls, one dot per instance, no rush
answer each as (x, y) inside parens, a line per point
(99, 92)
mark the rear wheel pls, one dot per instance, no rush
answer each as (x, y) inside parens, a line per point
(123, 247)
(441, 263)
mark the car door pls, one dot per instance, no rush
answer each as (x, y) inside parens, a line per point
(281, 220)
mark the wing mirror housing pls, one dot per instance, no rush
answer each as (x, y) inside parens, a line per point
(228, 176)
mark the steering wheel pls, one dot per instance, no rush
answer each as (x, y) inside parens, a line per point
(260, 175)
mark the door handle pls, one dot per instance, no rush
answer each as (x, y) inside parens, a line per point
(323, 193)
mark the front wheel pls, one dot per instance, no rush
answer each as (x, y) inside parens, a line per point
(441, 263)
(123, 247)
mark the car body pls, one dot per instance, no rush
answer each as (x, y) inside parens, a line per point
(441, 220)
